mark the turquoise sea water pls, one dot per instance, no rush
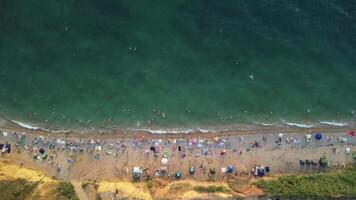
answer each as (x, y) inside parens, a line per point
(96, 63)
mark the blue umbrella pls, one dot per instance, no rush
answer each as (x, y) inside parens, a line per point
(318, 136)
(229, 169)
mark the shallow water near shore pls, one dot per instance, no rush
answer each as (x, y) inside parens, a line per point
(183, 64)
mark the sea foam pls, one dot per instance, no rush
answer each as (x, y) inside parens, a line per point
(333, 123)
(177, 131)
(27, 126)
(30, 127)
(299, 125)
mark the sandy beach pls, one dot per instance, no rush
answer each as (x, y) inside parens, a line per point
(112, 156)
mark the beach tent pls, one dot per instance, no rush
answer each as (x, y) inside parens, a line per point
(136, 173)
(260, 171)
(178, 174)
(205, 151)
(8, 147)
(313, 162)
(42, 151)
(164, 161)
(191, 170)
(5, 148)
(223, 170)
(307, 162)
(347, 150)
(318, 136)
(153, 148)
(229, 169)
(267, 169)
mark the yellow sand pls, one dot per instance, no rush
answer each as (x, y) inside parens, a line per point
(188, 192)
(196, 195)
(128, 189)
(14, 171)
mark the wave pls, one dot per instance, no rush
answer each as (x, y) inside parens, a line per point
(157, 131)
(333, 123)
(190, 130)
(30, 127)
(264, 124)
(177, 131)
(299, 125)
(27, 126)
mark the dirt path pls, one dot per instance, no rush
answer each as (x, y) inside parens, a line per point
(79, 191)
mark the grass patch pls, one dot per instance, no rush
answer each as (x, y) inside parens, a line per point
(332, 184)
(65, 191)
(211, 189)
(18, 189)
(149, 184)
(180, 187)
(239, 184)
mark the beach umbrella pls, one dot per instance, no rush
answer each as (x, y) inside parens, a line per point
(318, 136)
(164, 161)
(352, 133)
(280, 135)
(229, 169)
(194, 140)
(165, 154)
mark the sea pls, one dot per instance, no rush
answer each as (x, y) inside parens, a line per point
(177, 65)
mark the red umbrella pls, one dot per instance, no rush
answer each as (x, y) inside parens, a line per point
(352, 133)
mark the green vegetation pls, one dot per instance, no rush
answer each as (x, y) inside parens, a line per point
(332, 184)
(18, 189)
(65, 191)
(85, 184)
(180, 187)
(150, 184)
(211, 189)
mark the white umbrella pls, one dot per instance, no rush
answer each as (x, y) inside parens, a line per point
(280, 135)
(164, 161)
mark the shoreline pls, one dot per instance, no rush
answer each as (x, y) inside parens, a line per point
(240, 129)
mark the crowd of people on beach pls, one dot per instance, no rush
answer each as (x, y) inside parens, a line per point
(160, 149)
